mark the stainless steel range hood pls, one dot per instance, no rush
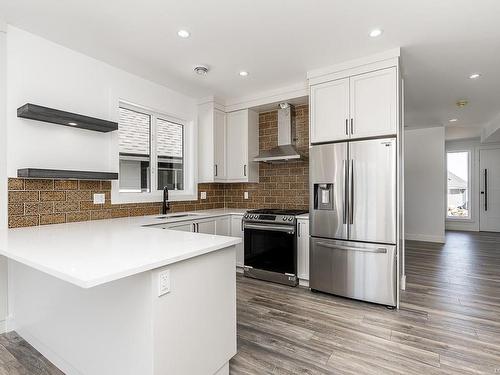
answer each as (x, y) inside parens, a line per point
(285, 151)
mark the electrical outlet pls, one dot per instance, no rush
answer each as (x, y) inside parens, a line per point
(99, 198)
(245, 195)
(163, 283)
(203, 195)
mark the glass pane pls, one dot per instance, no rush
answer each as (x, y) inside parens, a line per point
(458, 184)
(134, 144)
(170, 149)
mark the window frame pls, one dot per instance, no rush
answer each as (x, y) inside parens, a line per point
(189, 160)
(469, 185)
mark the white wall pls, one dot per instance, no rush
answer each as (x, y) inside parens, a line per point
(44, 73)
(3, 171)
(425, 184)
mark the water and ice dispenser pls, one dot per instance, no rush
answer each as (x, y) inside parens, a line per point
(323, 197)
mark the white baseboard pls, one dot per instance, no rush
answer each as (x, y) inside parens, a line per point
(3, 326)
(424, 237)
(304, 283)
(465, 226)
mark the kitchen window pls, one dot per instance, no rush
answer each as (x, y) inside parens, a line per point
(152, 154)
(458, 185)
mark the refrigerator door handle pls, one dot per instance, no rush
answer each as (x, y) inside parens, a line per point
(344, 196)
(351, 193)
(379, 250)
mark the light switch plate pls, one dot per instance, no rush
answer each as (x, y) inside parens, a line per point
(99, 198)
(163, 283)
(203, 195)
(245, 195)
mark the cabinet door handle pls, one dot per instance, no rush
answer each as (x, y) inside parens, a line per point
(215, 170)
(245, 170)
(298, 229)
(352, 126)
(346, 127)
(194, 227)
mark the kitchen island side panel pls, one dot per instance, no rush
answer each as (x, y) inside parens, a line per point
(124, 327)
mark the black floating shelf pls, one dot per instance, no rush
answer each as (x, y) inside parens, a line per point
(55, 116)
(65, 174)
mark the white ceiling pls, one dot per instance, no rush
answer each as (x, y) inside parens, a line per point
(277, 41)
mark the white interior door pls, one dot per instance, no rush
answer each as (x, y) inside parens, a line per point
(489, 220)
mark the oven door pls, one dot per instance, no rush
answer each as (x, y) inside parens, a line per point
(271, 247)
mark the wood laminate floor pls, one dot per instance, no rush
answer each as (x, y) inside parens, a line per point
(449, 322)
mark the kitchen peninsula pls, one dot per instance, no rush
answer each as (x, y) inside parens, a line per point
(124, 296)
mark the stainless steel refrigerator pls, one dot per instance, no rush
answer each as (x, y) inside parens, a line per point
(353, 219)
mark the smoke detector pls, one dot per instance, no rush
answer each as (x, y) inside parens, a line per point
(462, 103)
(201, 70)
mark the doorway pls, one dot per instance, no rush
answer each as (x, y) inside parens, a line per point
(489, 187)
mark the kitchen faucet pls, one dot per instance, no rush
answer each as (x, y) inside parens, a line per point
(166, 206)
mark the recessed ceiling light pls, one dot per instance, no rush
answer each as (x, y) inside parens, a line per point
(474, 76)
(243, 73)
(376, 32)
(72, 123)
(183, 33)
(453, 120)
(201, 70)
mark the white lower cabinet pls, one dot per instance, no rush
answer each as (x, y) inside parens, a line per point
(223, 226)
(230, 225)
(237, 231)
(303, 249)
(184, 226)
(205, 226)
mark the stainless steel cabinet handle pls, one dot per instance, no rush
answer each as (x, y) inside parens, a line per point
(245, 170)
(346, 126)
(351, 193)
(194, 227)
(242, 224)
(352, 126)
(215, 170)
(379, 250)
(298, 229)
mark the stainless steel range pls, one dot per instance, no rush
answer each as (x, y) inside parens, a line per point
(271, 245)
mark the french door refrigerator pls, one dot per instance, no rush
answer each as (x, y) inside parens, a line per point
(353, 219)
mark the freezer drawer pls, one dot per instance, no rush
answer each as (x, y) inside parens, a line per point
(352, 269)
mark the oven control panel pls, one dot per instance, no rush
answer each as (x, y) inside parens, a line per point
(269, 218)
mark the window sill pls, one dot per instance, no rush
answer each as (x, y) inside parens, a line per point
(118, 197)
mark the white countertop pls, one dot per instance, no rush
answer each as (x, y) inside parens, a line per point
(303, 216)
(92, 253)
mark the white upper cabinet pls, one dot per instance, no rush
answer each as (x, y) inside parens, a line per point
(242, 144)
(359, 106)
(227, 144)
(373, 103)
(220, 145)
(329, 111)
(211, 143)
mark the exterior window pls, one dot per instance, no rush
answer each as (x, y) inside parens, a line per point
(170, 151)
(147, 140)
(458, 185)
(135, 151)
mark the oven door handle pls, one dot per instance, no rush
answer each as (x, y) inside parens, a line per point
(272, 228)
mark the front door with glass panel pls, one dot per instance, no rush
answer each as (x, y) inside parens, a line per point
(489, 187)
